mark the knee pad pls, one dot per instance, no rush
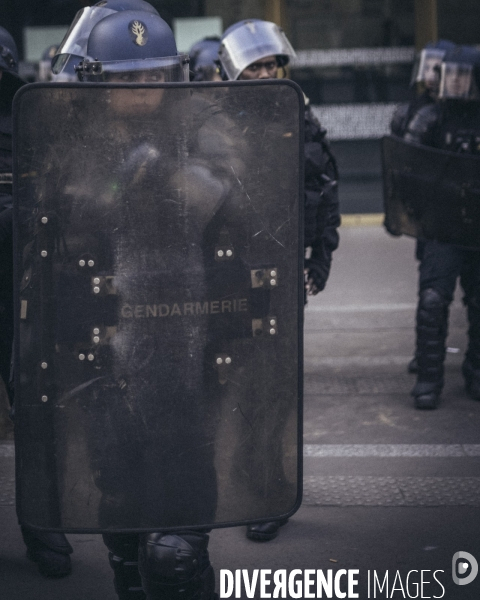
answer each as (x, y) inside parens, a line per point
(176, 566)
(431, 299)
(432, 309)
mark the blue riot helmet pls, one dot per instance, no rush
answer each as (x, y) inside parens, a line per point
(204, 58)
(133, 46)
(460, 74)
(427, 65)
(45, 64)
(74, 45)
(11, 81)
(248, 41)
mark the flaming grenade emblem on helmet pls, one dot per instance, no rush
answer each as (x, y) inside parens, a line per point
(139, 33)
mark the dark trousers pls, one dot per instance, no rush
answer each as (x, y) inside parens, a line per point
(442, 264)
(440, 267)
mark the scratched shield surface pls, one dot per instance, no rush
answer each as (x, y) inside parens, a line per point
(431, 193)
(159, 267)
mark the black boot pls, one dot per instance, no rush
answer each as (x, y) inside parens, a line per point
(51, 552)
(123, 558)
(264, 532)
(432, 324)
(426, 395)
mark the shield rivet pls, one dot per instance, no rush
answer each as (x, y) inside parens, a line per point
(81, 356)
(90, 357)
(96, 339)
(96, 331)
(43, 253)
(220, 253)
(273, 273)
(44, 365)
(44, 220)
(272, 332)
(272, 322)
(229, 253)
(90, 263)
(44, 398)
(96, 290)
(273, 282)
(96, 280)
(228, 360)
(81, 263)
(219, 361)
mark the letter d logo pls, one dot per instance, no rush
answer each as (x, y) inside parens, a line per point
(460, 568)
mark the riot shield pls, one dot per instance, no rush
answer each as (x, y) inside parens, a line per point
(159, 326)
(431, 193)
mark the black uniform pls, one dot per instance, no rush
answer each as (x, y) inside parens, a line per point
(322, 216)
(453, 126)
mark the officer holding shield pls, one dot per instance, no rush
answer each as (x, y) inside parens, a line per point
(426, 73)
(139, 47)
(159, 305)
(452, 124)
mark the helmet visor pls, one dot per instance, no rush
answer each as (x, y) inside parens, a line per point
(76, 38)
(427, 68)
(457, 81)
(250, 42)
(150, 70)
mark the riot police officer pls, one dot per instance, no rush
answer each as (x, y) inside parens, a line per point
(131, 46)
(426, 73)
(203, 60)
(49, 550)
(74, 44)
(254, 49)
(453, 124)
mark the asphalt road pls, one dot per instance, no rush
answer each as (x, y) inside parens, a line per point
(387, 489)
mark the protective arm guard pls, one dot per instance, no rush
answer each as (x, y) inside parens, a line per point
(322, 215)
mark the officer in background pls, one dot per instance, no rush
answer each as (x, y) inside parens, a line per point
(49, 550)
(255, 49)
(426, 75)
(453, 124)
(203, 60)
